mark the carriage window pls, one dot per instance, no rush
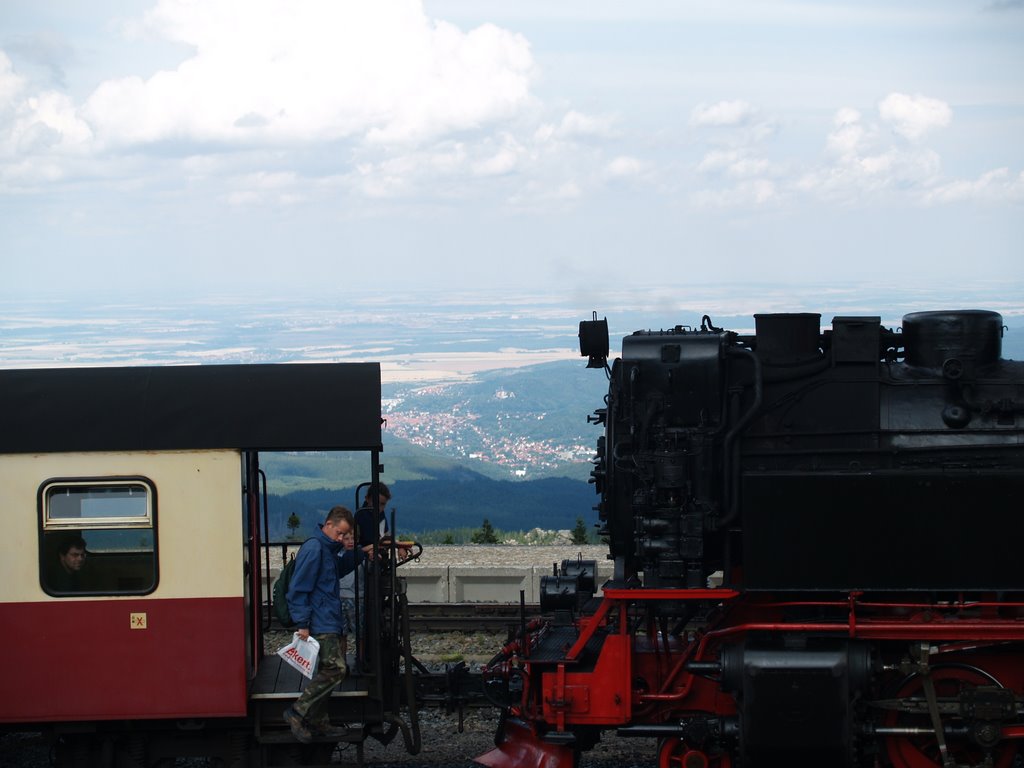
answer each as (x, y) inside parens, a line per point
(98, 537)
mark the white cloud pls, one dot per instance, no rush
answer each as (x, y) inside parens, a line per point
(748, 193)
(35, 125)
(409, 173)
(397, 104)
(576, 125)
(384, 77)
(996, 185)
(623, 167)
(278, 187)
(735, 163)
(51, 113)
(717, 160)
(863, 162)
(10, 83)
(504, 160)
(274, 71)
(859, 176)
(723, 113)
(862, 159)
(41, 137)
(849, 135)
(444, 169)
(541, 195)
(914, 116)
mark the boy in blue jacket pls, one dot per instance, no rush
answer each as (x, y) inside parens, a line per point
(315, 605)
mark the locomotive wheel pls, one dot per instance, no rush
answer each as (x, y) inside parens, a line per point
(923, 751)
(675, 753)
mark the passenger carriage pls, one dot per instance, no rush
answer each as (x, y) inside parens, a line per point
(156, 648)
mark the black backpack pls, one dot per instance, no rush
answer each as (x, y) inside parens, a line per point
(281, 593)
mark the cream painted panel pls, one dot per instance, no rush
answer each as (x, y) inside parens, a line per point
(199, 518)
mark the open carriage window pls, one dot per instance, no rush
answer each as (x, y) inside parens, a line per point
(98, 536)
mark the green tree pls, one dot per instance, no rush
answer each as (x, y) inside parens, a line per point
(486, 534)
(293, 523)
(579, 533)
(448, 539)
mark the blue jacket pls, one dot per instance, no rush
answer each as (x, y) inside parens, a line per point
(313, 599)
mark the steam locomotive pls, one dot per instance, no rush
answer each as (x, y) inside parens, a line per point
(816, 539)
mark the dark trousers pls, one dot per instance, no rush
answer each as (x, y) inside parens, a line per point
(330, 671)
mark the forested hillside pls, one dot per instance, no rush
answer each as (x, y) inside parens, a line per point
(458, 498)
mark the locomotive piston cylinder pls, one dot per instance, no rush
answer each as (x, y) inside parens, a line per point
(797, 695)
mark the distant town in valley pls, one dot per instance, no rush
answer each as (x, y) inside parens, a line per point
(530, 421)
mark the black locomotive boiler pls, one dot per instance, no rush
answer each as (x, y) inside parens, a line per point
(817, 542)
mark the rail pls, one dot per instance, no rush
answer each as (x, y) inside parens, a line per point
(466, 617)
(490, 618)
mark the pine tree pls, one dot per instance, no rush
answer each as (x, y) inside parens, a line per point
(293, 523)
(486, 534)
(579, 533)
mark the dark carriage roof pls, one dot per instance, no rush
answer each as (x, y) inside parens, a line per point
(323, 406)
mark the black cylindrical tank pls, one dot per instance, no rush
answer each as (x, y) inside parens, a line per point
(583, 570)
(558, 593)
(974, 337)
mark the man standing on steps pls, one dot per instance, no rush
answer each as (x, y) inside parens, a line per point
(375, 500)
(315, 605)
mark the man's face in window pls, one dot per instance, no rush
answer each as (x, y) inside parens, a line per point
(73, 560)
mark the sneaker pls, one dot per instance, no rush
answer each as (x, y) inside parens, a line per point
(298, 725)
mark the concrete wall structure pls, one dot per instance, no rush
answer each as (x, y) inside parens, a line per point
(478, 584)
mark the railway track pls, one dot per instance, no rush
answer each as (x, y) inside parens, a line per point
(492, 618)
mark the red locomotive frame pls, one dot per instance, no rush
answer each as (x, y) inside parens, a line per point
(962, 637)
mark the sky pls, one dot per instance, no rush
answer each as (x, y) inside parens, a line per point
(321, 147)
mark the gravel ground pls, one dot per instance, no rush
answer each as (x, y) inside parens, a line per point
(444, 746)
(24, 750)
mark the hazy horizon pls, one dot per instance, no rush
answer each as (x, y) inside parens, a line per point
(417, 336)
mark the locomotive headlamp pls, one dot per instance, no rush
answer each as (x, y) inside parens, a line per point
(594, 341)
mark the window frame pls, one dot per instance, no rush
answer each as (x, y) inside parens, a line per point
(48, 526)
